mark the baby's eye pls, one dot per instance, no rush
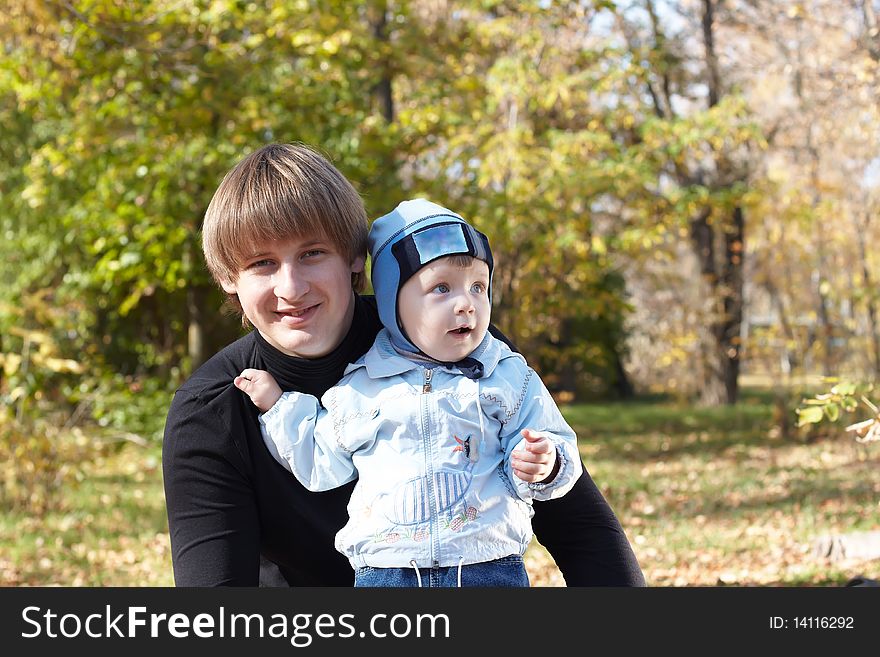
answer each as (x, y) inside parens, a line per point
(478, 288)
(442, 288)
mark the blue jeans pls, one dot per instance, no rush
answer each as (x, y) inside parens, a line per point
(504, 572)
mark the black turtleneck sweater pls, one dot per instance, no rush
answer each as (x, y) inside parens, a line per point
(237, 517)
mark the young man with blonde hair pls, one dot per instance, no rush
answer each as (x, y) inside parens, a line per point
(285, 237)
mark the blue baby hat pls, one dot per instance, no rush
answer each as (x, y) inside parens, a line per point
(408, 238)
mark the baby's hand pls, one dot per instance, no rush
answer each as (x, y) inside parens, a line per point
(260, 386)
(535, 461)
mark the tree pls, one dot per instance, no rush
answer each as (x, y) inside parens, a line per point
(120, 121)
(705, 154)
(500, 105)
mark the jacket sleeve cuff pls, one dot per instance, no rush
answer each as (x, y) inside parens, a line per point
(564, 479)
(272, 414)
(556, 487)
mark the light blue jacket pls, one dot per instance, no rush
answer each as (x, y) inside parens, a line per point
(431, 451)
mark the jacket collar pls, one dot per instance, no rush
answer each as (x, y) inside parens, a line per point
(383, 360)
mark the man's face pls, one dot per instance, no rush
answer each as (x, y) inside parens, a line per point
(444, 308)
(297, 294)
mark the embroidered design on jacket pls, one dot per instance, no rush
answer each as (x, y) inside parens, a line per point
(457, 521)
(408, 506)
(470, 447)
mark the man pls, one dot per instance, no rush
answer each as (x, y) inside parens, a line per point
(285, 236)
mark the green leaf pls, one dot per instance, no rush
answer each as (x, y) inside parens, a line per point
(809, 415)
(832, 411)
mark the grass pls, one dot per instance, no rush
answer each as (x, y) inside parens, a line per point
(714, 497)
(707, 497)
(109, 529)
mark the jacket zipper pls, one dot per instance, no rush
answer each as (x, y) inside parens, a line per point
(429, 470)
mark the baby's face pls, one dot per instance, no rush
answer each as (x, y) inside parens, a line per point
(444, 308)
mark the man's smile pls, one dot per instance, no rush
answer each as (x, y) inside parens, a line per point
(293, 316)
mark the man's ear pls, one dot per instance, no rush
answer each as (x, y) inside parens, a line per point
(229, 287)
(357, 265)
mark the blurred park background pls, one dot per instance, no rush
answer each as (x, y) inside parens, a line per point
(683, 199)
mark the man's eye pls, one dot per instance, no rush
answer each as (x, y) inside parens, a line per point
(311, 253)
(259, 263)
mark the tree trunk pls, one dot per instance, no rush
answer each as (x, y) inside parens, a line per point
(716, 241)
(868, 284)
(731, 292)
(788, 358)
(723, 279)
(382, 94)
(872, 34)
(713, 390)
(196, 328)
(622, 385)
(195, 304)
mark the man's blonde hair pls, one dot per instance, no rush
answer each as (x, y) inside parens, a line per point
(280, 192)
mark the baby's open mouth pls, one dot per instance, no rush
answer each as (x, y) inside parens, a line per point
(461, 330)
